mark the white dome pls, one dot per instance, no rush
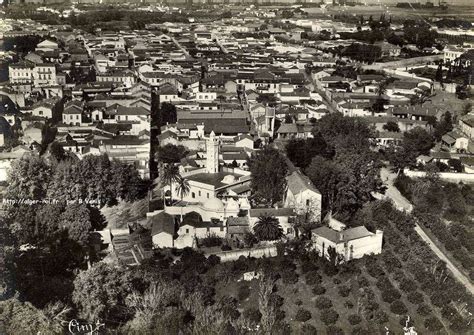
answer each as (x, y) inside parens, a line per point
(229, 179)
(214, 205)
(232, 205)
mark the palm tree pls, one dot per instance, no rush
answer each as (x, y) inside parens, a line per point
(182, 189)
(170, 176)
(268, 228)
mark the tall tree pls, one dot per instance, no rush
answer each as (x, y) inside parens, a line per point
(415, 142)
(28, 178)
(301, 151)
(444, 126)
(170, 153)
(100, 292)
(167, 113)
(171, 176)
(269, 169)
(76, 221)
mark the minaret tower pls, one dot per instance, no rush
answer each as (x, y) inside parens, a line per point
(212, 154)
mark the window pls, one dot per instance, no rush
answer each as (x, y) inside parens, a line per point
(187, 230)
(193, 195)
(199, 193)
(307, 202)
(289, 230)
(40, 112)
(222, 228)
(208, 195)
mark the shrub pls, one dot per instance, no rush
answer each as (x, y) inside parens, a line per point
(333, 330)
(323, 302)
(307, 329)
(407, 285)
(398, 307)
(298, 302)
(344, 291)
(226, 247)
(415, 297)
(336, 280)
(243, 292)
(383, 283)
(312, 278)
(363, 282)
(423, 309)
(210, 241)
(380, 316)
(375, 270)
(252, 314)
(440, 298)
(354, 319)
(302, 315)
(308, 266)
(390, 295)
(399, 275)
(250, 240)
(280, 315)
(459, 324)
(318, 289)
(433, 324)
(359, 331)
(289, 277)
(448, 312)
(329, 316)
(276, 300)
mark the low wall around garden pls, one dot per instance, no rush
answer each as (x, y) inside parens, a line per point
(233, 255)
(448, 176)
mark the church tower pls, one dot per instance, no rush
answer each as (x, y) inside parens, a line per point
(212, 154)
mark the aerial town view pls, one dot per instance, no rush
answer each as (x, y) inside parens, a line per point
(236, 167)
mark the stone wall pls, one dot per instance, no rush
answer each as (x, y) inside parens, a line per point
(233, 255)
(448, 176)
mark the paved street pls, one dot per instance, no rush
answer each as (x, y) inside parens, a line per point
(403, 204)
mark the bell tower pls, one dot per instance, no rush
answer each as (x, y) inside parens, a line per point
(212, 154)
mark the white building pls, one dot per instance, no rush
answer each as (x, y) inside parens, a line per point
(450, 53)
(303, 196)
(352, 243)
(30, 73)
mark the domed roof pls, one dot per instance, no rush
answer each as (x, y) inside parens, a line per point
(232, 204)
(214, 204)
(229, 179)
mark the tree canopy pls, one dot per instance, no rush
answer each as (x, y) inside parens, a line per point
(170, 153)
(339, 162)
(269, 169)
